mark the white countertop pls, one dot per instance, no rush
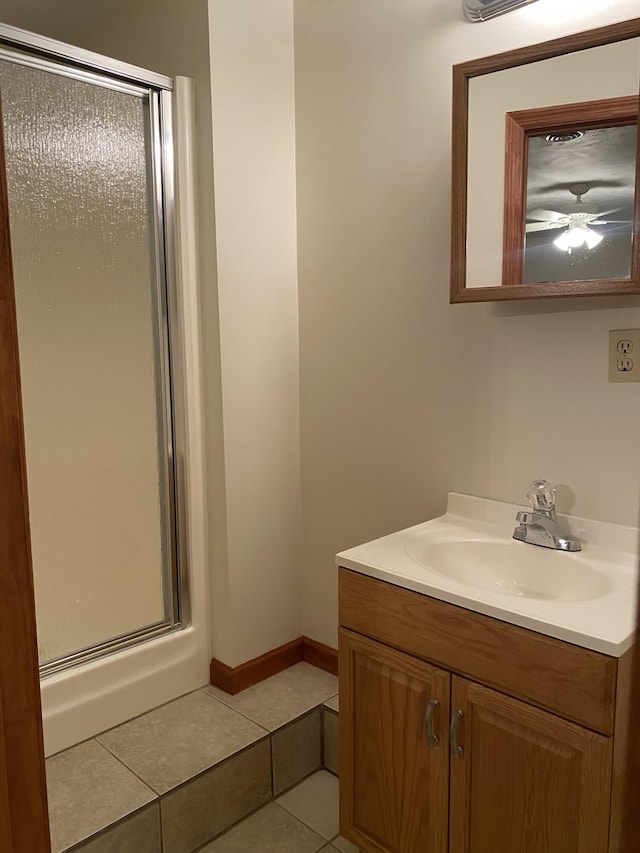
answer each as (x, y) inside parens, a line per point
(602, 619)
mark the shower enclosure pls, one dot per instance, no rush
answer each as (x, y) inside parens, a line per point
(90, 172)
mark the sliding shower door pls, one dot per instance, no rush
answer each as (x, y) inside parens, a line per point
(88, 181)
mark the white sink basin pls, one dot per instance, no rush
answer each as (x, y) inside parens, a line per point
(468, 557)
(509, 569)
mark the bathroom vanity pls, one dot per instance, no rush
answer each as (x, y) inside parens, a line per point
(482, 698)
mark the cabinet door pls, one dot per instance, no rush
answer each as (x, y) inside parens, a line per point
(394, 785)
(524, 780)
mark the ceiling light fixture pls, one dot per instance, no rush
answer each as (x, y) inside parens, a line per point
(577, 235)
(481, 10)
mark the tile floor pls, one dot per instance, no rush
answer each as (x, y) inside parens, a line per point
(304, 820)
(279, 699)
(182, 774)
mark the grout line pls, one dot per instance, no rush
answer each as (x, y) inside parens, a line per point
(233, 826)
(124, 722)
(79, 845)
(272, 773)
(144, 713)
(232, 708)
(299, 782)
(271, 731)
(240, 820)
(130, 769)
(312, 712)
(214, 766)
(299, 819)
(326, 705)
(323, 842)
(257, 722)
(162, 794)
(161, 825)
(73, 746)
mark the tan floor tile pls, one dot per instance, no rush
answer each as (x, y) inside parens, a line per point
(333, 703)
(139, 833)
(296, 751)
(283, 697)
(271, 830)
(343, 845)
(330, 721)
(315, 802)
(214, 801)
(88, 790)
(175, 742)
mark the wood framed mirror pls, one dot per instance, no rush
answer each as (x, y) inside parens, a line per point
(546, 177)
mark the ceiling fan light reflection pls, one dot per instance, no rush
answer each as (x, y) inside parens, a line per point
(562, 242)
(576, 236)
(592, 239)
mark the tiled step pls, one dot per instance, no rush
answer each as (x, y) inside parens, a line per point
(182, 774)
(330, 711)
(304, 820)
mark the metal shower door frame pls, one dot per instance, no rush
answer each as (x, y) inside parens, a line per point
(46, 54)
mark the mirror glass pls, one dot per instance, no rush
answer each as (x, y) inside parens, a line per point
(580, 187)
(521, 204)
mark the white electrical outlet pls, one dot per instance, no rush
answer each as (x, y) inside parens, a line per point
(624, 355)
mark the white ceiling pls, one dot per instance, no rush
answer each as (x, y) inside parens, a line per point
(604, 160)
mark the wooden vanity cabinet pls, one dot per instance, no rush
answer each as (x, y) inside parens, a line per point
(517, 764)
(396, 795)
(527, 781)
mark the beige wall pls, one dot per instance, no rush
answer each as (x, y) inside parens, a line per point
(404, 397)
(255, 195)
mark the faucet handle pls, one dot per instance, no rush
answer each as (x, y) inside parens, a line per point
(525, 517)
(542, 496)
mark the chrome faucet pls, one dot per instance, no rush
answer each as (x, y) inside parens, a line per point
(541, 527)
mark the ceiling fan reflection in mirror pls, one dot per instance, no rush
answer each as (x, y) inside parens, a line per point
(576, 221)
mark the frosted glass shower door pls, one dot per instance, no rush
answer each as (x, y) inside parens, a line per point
(90, 303)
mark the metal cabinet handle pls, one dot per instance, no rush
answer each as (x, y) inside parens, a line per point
(432, 739)
(457, 751)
